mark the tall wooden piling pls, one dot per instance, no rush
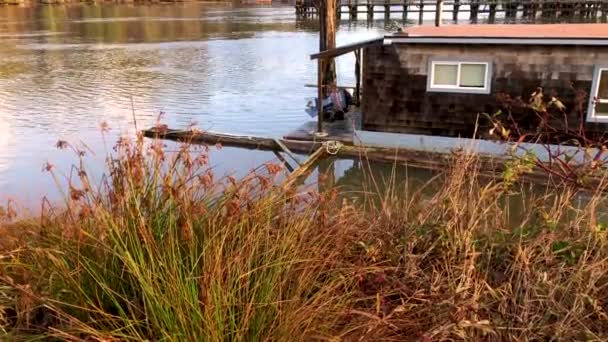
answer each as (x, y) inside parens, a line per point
(326, 67)
(357, 95)
(328, 39)
(405, 4)
(421, 15)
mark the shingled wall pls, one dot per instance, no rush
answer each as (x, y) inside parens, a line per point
(395, 79)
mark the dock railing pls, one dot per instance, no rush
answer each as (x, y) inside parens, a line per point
(511, 8)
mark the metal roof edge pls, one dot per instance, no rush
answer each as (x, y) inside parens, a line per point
(397, 39)
(340, 50)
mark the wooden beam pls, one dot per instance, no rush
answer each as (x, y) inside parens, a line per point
(341, 50)
(491, 165)
(249, 142)
(429, 160)
(339, 87)
(305, 168)
(283, 160)
(287, 151)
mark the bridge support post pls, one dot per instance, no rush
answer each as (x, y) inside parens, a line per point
(387, 9)
(511, 9)
(474, 10)
(492, 16)
(438, 12)
(455, 9)
(353, 8)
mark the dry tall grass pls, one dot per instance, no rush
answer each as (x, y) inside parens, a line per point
(163, 251)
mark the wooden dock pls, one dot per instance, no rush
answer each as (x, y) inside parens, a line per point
(489, 165)
(527, 9)
(343, 149)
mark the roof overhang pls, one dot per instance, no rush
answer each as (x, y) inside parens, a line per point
(402, 39)
(341, 50)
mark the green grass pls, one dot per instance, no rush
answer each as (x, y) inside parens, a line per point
(163, 251)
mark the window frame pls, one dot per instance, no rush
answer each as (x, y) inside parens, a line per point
(439, 88)
(595, 87)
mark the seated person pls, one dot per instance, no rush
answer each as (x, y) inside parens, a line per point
(335, 105)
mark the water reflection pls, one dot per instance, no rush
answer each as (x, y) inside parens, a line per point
(66, 69)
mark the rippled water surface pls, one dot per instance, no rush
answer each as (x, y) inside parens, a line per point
(66, 69)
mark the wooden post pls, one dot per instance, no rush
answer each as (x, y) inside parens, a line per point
(548, 10)
(354, 9)
(421, 15)
(526, 10)
(511, 9)
(438, 12)
(327, 39)
(533, 12)
(596, 9)
(357, 94)
(455, 9)
(326, 68)
(405, 9)
(387, 9)
(474, 6)
(320, 95)
(492, 15)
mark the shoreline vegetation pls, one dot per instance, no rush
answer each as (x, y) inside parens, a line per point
(162, 249)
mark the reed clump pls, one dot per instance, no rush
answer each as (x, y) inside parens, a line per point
(162, 249)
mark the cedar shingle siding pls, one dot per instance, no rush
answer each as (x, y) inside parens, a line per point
(395, 80)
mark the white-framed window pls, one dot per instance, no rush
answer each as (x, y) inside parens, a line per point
(459, 76)
(598, 103)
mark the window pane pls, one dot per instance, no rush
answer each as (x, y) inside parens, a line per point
(601, 109)
(445, 74)
(472, 75)
(602, 91)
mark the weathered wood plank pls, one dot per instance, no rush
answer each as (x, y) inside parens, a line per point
(430, 160)
(490, 166)
(249, 142)
(305, 168)
(287, 151)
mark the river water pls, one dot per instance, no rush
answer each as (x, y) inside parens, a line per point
(64, 70)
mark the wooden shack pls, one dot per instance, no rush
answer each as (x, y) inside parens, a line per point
(437, 80)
